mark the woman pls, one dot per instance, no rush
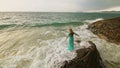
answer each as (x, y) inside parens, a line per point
(71, 39)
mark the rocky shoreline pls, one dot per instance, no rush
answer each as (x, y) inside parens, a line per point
(108, 29)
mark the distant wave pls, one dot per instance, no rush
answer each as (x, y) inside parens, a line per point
(91, 21)
(2, 26)
(7, 25)
(5, 18)
(58, 24)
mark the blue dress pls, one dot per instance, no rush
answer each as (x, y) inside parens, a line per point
(71, 42)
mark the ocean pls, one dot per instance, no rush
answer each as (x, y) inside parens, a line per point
(37, 39)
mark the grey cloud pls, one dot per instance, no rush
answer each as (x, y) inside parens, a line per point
(57, 5)
(98, 4)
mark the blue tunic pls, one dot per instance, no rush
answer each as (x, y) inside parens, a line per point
(71, 42)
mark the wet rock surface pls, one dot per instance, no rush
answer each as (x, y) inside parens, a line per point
(86, 58)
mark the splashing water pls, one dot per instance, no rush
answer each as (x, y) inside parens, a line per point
(28, 45)
(23, 49)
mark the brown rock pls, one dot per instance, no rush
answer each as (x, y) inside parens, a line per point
(107, 29)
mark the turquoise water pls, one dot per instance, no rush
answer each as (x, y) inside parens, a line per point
(42, 19)
(37, 39)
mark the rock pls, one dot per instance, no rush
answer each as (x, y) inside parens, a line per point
(107, 29)
(86, 58)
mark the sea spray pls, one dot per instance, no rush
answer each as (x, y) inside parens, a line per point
(36, 40)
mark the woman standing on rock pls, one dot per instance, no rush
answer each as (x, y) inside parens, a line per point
(71, 39)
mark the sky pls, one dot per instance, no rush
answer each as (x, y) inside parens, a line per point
(60, 5)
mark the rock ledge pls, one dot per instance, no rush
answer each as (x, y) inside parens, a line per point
(86, 58)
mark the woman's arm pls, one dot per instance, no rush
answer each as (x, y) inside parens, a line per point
(76, 34)
(66, 38)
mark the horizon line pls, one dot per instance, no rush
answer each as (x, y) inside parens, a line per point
(63, 11)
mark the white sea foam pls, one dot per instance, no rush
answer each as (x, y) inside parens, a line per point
(34, 48)
(23, 49)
